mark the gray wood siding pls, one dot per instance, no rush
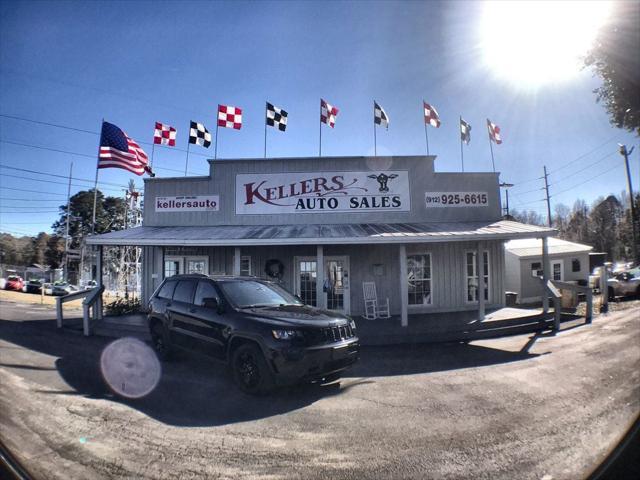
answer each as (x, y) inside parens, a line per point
(222, 182)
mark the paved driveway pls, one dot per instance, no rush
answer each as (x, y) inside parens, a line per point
(520, 407)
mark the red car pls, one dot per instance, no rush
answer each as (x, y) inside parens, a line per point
(14, 283)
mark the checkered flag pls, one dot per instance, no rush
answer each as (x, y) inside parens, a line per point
(380, 116)
(199, 135)
(276, 117)
(229, 117)
(494, 132)
(465, 131)
(328, 113)
(431, 116)
(164, 135)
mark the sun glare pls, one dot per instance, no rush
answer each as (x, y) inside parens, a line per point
(532, 43)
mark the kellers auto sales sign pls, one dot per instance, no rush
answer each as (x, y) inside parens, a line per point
(326, 192)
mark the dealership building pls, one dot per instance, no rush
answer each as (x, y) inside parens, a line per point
(323, 227)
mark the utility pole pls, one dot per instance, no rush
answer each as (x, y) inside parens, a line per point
(506, 187)
(66, 235)
(546, 187)
(623, 151)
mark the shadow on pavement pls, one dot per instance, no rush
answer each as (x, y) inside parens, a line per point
(198, 391)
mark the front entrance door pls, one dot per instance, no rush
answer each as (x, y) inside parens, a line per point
(557, 270)
(335, 285)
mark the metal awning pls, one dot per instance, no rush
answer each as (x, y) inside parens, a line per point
(362, 233)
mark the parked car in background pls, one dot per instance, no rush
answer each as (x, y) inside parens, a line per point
(48, 288)
(63, 289)
(91, 284)
(594, 278)
(624, 284)
(33, 286)
(14, 283)
(266, 335)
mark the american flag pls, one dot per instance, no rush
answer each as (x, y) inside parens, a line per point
(229, 117)
(328, 113)
(494, 132)
(431, 116)
(164, 135)
(118, 150)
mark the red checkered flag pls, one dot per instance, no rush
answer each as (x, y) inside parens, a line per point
(431, 116)
(328, 113)
(229, 117)
(494, 132)
(164, 135)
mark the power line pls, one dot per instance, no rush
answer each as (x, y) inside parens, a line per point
(588, 180)
(52, 181)
(93, 157)
(585, 168)
(30, 199)
(28, 213)
(98, 133)
(32, 191)
(63, 176)
(584, 155)
(31, 207)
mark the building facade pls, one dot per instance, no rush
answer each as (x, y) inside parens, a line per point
(324, 226)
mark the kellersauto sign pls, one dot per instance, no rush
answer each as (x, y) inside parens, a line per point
(326, 192)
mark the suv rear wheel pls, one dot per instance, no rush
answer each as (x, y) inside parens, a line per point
(160, 341)
(250, 370)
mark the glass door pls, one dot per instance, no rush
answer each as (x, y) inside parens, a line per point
(336, 284)
(306, 280)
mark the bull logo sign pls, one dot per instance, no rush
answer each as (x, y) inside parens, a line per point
(383, 180)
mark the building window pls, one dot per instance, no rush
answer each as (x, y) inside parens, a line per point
(575, 265)
(197, 265)
(419, 279)
(472, 276)
(536, 269)
(172, 266)
(556, 270)
(245, 265)
(307, 281)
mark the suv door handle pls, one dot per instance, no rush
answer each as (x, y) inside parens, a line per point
(192, 310)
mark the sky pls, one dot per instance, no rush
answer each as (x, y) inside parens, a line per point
(135, 63)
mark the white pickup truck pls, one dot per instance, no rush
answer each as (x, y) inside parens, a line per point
(624, 283)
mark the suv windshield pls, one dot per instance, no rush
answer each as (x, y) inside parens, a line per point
(247, 294)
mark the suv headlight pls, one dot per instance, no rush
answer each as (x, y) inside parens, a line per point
(286, 334)
(352, 324)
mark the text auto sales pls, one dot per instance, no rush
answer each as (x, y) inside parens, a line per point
(320, 193)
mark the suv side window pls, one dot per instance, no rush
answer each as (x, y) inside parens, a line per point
(184, 291)
(205, 290)
(167, 290)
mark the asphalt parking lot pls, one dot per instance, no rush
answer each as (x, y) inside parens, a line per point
(534, 407)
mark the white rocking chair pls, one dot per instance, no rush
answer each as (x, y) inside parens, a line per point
(373, 310)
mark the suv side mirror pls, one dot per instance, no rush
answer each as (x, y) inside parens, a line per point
(210, 302)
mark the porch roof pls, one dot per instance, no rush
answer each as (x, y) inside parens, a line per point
(364, 233)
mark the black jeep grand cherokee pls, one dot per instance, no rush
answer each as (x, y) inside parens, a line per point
(266, 335)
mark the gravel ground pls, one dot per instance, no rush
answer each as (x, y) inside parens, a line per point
(530, 407)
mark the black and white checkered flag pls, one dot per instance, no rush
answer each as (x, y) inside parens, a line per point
(380, 116)
(199, 135)
(276, 117)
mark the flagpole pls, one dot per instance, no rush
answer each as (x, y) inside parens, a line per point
(95, 185)
(493, 163)
(375, 141)
(426, 134)
(265, 130)
(215, 153)
(320, 119)
(186, 164)
(461, 149)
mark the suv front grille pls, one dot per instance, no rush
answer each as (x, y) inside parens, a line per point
(330, 334)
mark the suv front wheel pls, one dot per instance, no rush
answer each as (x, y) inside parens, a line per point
(250, 370)
(160, 341)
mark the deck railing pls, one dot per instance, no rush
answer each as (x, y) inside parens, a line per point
(91, 307)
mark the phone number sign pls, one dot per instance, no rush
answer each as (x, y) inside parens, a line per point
(456, 199)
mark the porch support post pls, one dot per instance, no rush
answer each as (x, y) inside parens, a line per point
(404, 286)
(236, 261)
(320, 296)
(98, 305)
(545, 274)
(480, 272)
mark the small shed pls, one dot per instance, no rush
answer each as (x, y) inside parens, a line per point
(569, 262)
